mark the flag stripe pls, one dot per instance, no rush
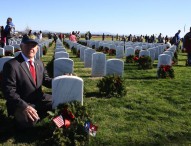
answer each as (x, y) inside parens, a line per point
(59, 121)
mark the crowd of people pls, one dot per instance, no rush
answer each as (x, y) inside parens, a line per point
(38, 35)
(75, 36)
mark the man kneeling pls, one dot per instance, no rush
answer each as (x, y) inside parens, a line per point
(23, 77)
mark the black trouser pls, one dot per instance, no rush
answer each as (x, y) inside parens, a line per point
(189, 59)
(7, 40)
(2, 44)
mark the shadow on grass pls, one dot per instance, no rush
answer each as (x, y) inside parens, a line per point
(182, 60)
(180, 66)
(88, 76)
(97, 95)
(79, 66)
(10, 133)
(93, 94)
(49, 93)
(7, 128)
(144, 78)
(74, 57)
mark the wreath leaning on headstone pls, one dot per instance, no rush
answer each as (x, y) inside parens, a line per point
(165, 71)
(144, 62)
(69, 124)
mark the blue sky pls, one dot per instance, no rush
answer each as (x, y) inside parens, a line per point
(113, 16)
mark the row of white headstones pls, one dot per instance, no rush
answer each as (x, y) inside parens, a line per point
(155, 50)
(72, 87)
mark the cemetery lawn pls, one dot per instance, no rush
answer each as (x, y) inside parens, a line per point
(154, 111)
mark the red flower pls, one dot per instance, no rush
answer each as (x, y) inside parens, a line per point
(136, 58)
(165, 68)
(16, 50)
(66, 123)
(68, 114)
(71, 115)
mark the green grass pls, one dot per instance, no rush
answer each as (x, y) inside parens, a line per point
(154, 111)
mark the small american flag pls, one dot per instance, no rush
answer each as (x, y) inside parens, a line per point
(59, 121)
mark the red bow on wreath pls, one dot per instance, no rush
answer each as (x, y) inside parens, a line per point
(166, 68)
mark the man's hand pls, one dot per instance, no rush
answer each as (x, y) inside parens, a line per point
(31, 113)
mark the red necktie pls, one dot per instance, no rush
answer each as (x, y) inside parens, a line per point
(32, 70)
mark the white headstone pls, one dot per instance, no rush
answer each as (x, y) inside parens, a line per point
(37, 56)
(144, 53)
(152, 53)
(156, 52)
(120, 52)
(9, 48)
(161, 49)
(164, 59)
(98, 64)
(16, 47)
(63, 66)
(3, 60)
(88, 57)
(61, 54)
(82, 49)
(2, 52)
(171, 50)
(138, 48)
(112, 46)
(169, 53)
(60, 49)
(66, 89)
(114, 66)
(40, 50)
(97, 45)
(129, 51)
(144, 47)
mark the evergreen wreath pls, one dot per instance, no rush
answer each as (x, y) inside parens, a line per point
(165, 71)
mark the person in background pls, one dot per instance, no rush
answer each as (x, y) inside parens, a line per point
(166, 38)
(78, 35)
(3, 37)
(55, 37)
(130, 38)
(61, 37)
(103, 37)
(176, 38)
(117, 37)
(30, 33)
(23, 77)
(73, 37)
(9, 30)
(160, 38)
(187, 46)
(167, 42)
(49, 35)
(39, 36)
(88, 35)
(35, 34)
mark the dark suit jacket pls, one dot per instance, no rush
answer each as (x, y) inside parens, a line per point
(19, 88)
